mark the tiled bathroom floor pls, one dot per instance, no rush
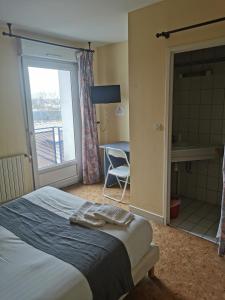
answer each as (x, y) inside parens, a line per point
(199, 218)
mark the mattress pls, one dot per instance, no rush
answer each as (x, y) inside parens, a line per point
(28, 273)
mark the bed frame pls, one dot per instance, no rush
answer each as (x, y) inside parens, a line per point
(145, 266)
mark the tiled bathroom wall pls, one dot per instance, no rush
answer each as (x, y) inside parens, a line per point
(202, 182)
(199, 119)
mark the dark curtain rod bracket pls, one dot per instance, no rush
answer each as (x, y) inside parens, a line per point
(166, 34)
(10, 34)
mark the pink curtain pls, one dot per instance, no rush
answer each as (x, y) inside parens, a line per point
(90, 145)
(221, 231)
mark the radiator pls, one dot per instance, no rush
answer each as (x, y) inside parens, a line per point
(12, 183)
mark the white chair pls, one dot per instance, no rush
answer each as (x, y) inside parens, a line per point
(122, 172)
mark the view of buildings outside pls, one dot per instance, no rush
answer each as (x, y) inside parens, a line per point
(44, 85)
(46, 110)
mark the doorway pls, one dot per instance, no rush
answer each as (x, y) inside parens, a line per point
(196, 140)
(53, 116)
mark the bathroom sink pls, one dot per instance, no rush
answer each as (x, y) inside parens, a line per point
(184, 152)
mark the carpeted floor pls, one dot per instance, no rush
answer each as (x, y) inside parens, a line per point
(189, 267)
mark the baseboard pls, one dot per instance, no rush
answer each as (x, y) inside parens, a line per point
(66, 182)
(147, 214)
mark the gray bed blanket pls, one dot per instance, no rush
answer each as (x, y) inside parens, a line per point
(100, 257)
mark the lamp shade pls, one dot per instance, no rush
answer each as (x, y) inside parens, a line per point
(105, 94)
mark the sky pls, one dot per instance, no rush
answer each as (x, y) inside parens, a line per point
(43, 81)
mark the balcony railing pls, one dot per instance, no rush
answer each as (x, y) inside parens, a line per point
(49, 146)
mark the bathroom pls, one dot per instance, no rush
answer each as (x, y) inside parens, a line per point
(198, 137)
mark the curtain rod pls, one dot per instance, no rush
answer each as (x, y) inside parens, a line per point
(10, 34)
(166, 34)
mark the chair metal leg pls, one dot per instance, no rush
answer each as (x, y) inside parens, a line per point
(112, 198)
(119, 182)
(124, 189)
(105, 183)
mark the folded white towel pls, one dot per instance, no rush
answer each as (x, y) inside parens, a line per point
(112, 214)
(90, 211)
(79, 217)
(95, 214)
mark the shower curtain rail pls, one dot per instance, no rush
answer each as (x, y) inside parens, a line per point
(200, 62)
(167, 34)
(10, 34)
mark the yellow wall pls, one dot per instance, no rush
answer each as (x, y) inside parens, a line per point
(12, 124)
(147, 72)
(12, 133)
(112, 68)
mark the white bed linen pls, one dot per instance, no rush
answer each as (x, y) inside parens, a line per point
(30, 274)
(136, 237)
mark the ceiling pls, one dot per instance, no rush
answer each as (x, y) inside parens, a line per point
(103, 21)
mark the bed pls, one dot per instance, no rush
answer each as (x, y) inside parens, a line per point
(34, 266)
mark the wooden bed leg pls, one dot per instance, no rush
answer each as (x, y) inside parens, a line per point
(151, 273)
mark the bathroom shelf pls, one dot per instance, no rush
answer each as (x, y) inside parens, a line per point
(192, 153)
